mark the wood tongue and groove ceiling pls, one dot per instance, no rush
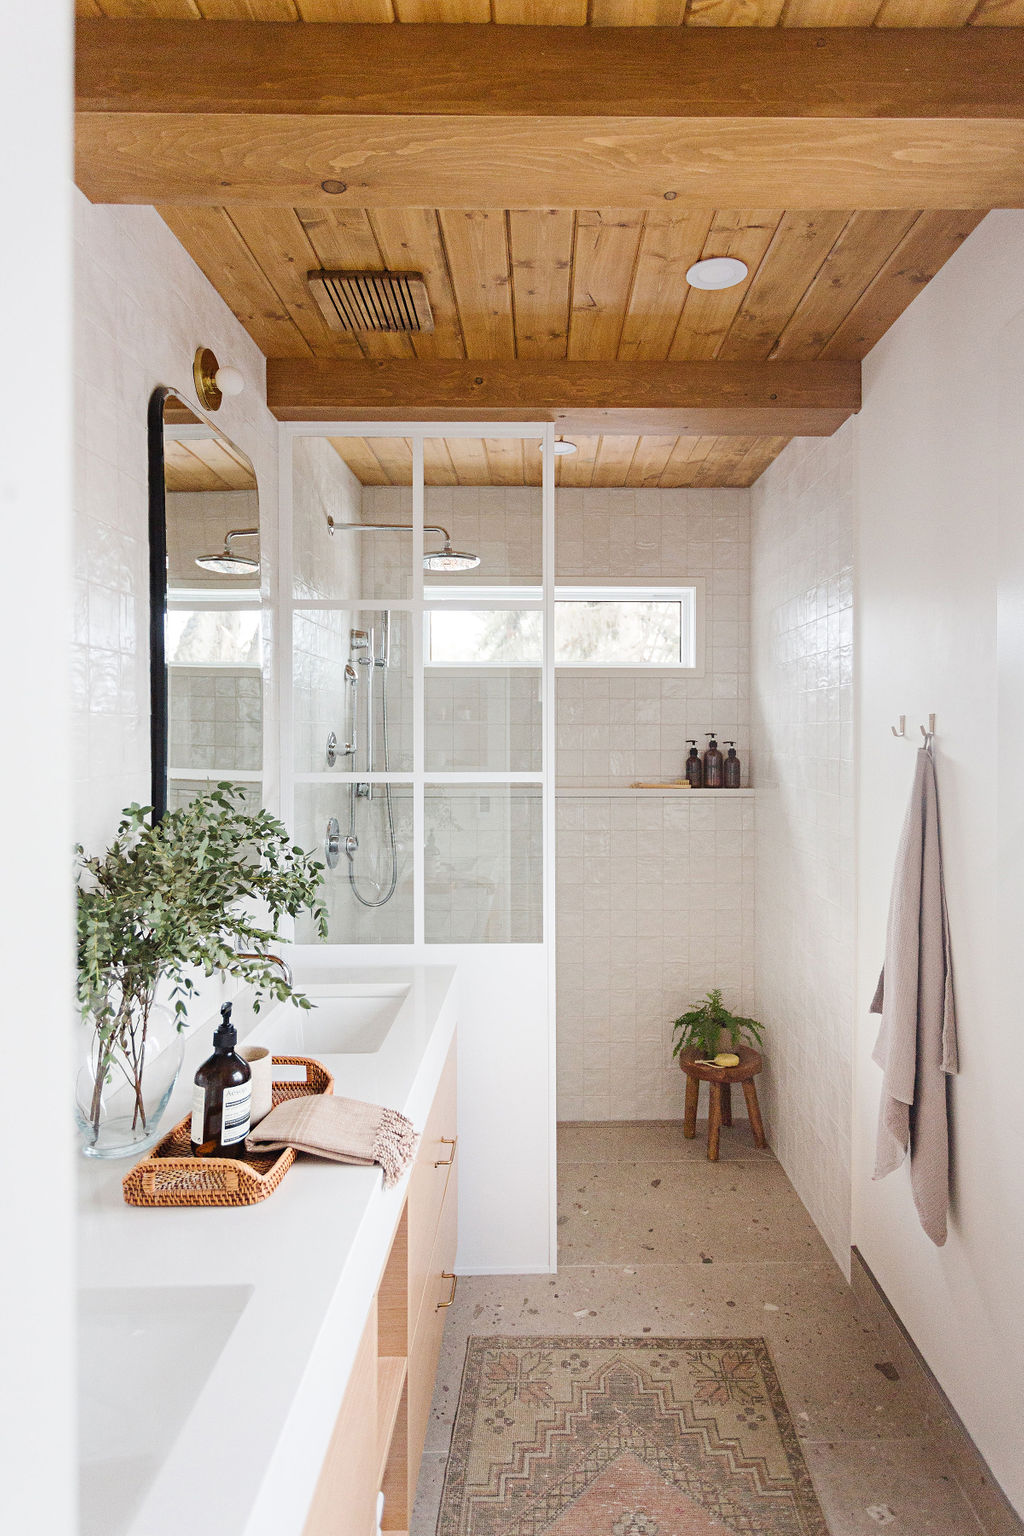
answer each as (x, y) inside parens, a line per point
(572, 285)
(577, 13)
(592, 285)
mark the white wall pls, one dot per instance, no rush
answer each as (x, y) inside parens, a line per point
(934, 468)
(940, 559)
(37, 1453)
(802, 634)
(142, 307)
(655, 895)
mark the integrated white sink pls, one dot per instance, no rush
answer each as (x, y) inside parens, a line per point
(144, 1355)
(345, 1020)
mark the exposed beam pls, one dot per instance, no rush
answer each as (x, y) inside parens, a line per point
(456, 116)
(688, 399)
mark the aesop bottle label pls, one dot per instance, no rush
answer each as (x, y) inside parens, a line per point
(235, 1114)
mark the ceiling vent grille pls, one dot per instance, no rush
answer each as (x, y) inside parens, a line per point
(372, 301)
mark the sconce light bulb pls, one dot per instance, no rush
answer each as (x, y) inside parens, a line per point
(230, 381)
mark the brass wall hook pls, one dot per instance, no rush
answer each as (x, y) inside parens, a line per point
(902, 727)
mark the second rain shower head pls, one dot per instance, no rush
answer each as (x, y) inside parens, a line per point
(449, 559)
(227, 563)
(446, 559)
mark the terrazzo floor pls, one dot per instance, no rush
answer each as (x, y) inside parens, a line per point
(655, 1239)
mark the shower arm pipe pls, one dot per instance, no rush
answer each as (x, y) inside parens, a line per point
(386, 528)
(241, 533)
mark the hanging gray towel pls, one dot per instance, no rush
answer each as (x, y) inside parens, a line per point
(916, 1046)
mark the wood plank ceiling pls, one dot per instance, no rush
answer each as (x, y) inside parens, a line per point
(575, 13)
(588, 284)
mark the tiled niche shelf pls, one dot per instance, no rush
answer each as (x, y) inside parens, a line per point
(624, 791)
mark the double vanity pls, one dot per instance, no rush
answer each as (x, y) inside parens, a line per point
(265, 1371)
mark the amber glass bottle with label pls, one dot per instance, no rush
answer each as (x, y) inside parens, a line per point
(732, 767)
(713, 763)
(221, 1097)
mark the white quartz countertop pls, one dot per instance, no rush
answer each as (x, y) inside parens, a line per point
(242, 1456)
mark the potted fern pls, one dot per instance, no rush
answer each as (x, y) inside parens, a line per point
(168, 902)
(702, 1028)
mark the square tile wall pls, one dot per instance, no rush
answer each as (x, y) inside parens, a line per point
(802, 561)
(655, 905)
(142, 307)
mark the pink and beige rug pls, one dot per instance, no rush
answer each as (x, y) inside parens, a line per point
(624, 1437)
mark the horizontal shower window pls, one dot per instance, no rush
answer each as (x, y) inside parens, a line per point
(488, 637)
(595, 626)
(210, 637)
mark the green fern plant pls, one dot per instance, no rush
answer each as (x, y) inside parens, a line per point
(703, 1026)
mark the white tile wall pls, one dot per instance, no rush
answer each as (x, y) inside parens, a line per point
(802, 563)
(142, 307)
(655, 905)
(655, 896)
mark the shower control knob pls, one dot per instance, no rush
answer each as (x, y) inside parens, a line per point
(332, 843)
(332, 749)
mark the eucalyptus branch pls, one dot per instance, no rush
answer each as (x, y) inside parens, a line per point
(172, 900)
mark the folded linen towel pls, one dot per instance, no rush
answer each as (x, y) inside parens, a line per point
(346, 1130)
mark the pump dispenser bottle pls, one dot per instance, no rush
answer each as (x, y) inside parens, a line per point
(221, 1097)
(713, 763)
(694, 770)
(732, 767)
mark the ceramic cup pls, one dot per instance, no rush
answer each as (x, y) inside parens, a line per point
(261, 1065)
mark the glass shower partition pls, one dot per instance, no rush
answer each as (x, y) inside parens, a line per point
(416, 590)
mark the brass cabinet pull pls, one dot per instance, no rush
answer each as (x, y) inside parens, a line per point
(448, 1141)
(455, 1281)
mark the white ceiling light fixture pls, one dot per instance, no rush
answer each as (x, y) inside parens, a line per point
(560, 447)
(717, 272)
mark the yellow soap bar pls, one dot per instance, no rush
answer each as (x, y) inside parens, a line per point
(726, 1059)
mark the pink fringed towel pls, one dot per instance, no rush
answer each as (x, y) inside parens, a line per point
(346, 1130)
(916, 1046)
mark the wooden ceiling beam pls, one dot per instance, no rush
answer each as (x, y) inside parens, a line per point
(734, 399)
(471, 117)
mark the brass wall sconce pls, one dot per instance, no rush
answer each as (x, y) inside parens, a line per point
(212, 381)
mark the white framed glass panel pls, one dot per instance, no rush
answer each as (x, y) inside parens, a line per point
(369, 890)
(352, 695)
(483, 863)
(352, 536)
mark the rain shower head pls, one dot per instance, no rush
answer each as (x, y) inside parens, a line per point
(446, 559)
(227, 563)
(449, 559)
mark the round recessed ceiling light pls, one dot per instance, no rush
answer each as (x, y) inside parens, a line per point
(717, 272)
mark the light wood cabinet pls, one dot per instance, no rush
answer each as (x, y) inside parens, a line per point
(381, 1427)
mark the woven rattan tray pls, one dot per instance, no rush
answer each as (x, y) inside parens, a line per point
(170, 1176)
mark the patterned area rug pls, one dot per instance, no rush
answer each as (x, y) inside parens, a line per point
(624, 1437)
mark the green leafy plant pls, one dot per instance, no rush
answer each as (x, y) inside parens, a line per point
(702, 1027)
(172, 900)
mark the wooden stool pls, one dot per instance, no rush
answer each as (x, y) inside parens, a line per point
(720, 1081)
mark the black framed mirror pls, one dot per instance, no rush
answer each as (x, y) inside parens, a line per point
(205, 614)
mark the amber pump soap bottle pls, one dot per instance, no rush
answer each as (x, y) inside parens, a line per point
(732, 767)
(221, 1097)
(713, 763)
(694, 770)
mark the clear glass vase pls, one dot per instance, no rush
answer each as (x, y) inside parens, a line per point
(126, 1077)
